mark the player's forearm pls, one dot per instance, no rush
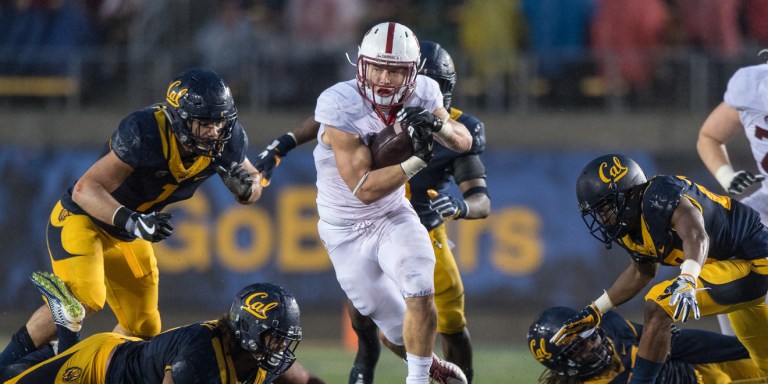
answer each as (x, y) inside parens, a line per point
(307, 131)
(379, 183)
(630, 282)
(459, 139)
(94, 199)
(479, 206)
(712, 153)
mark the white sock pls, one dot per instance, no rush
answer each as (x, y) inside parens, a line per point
(418, 369)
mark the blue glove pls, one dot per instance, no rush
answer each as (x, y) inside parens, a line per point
(237, 180)
(583, 323)
(270, 157)
(446, 206)
(682, 293)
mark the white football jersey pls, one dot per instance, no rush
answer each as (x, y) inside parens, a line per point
(342, 107)
(748, 93)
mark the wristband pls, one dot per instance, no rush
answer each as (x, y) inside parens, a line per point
(288, 142)
(724, 176)
(121, 216)
(412, 166)
(690, 267)
(463, 209)
(445, 131)
(603, 303)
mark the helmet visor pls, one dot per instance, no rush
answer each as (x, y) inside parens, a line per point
(277, 351)
(588, 356)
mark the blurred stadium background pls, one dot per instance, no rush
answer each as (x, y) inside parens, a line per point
(557, 82)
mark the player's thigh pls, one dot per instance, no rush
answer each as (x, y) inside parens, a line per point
(353, 254)
(132, 279)
(405, 253)
(449, 289)
(729, 285)
(85, 362)
(76, 248)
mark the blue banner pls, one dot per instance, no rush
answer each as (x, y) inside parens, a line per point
(533, 249)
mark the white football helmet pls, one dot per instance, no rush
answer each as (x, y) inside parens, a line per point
(390, 44)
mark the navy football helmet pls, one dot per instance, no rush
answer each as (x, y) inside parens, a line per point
(438, 66)
(583, 358)
(265, 321)
(200, 94)
(609, 190)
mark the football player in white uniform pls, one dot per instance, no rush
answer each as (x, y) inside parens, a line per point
(744, 109)
(381, 253)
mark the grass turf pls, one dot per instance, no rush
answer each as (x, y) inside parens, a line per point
(493, 364)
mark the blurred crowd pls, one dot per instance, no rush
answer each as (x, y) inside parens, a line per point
(284, 52)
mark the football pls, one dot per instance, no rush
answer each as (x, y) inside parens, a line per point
(391, 146)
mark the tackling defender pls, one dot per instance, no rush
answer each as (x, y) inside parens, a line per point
(468, 171)
(719, 244)
(100, 234)
(253, 343)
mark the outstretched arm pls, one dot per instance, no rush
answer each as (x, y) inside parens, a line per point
(627, 285)
(722, 124)
(278, 148)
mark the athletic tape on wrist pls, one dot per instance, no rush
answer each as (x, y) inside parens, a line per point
(690, 267)
(725, 175)
(603, 303)
(445, 131)
(412, 166)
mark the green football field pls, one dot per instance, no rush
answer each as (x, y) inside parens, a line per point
(494, 364)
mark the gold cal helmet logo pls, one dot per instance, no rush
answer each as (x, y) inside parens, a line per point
(173, 95)
(255, 306)
(615, 172)
(72, 374)
(540, 353)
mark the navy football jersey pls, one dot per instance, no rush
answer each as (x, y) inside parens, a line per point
(439, 173)
(624, 337)
(734, 229)
(194, 353)
(145, 141)
(689, 346)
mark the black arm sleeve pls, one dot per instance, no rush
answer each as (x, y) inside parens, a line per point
(467, 168)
